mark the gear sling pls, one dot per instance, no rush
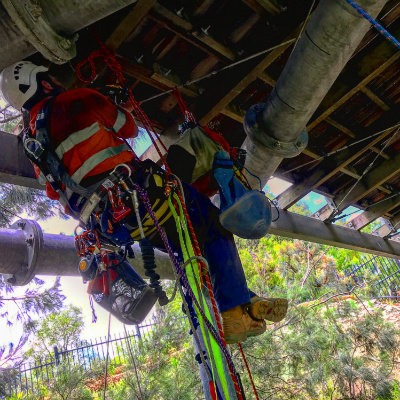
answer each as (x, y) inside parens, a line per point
(113, 282)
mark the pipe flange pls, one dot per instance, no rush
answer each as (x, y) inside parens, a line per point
(34, 243)
(282, 149)
(28, 17)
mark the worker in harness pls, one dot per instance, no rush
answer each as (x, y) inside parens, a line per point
(76, 141)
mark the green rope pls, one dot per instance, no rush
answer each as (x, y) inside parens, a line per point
(193, 275)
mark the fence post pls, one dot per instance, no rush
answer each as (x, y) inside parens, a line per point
(56, 356)
(139, 335)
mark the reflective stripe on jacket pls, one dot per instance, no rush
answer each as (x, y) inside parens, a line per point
(86, 130)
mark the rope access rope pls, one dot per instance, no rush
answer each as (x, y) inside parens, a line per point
(375, 24)
(196, 338)
(181, 274)
(188, 252)
(304, 25)
(248, 371)
(109, 57)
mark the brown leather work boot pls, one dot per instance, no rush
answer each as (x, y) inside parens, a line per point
(267, 308)
(238, 325)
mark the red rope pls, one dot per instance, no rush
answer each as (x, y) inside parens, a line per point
(109, 58)
(182, 105)
(248, 371)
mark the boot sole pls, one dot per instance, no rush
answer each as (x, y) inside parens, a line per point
(273, 310)
(236, 338)
(258, 332)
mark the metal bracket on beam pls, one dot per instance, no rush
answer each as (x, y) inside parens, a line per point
(28, 17)
(257, 134)
(34, 242)
(386, 229)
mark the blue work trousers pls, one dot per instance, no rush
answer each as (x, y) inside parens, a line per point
(218, 247)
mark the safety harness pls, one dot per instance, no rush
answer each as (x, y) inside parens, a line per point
(40, 150)
(102, 211)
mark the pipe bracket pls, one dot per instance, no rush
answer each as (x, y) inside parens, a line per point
(258, 135)
(28, 17)
(34, 243)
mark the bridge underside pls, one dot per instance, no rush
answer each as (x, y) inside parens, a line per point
(160, 47)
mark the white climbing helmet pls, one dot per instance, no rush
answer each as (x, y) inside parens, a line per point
(18, 82)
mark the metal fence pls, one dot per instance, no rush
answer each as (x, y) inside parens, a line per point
(89, 354)
(388, 270)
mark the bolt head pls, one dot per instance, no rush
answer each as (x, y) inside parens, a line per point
(35, 10)
(65, 44)
(299, 144)
(256, 107)
(12, 280)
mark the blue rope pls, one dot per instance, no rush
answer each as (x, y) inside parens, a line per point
(375, 24)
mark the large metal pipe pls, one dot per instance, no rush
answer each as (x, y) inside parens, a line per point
(50, 18)
(26, 251)
(274, 128)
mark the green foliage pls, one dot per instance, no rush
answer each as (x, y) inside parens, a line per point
(301, 208)
(61, 328)
(326, 353)
(330, 353)
(68, 384)
(323, 350)
(36, 301)
(10, 125)
(164, 362)
(17, 199)
(372, 227)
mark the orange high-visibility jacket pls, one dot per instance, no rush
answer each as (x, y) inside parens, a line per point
(82, 125)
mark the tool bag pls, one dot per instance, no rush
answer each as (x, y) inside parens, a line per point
(192, 156)
(118, 288)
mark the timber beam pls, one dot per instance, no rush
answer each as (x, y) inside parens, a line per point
(249, 78)
(263, 6)
(300, 227)
(389, 226)
(387, 170)
(178, 25)
(332, 165)
(361, 85)
(129, 23)
(121, 32)
(374, 212)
